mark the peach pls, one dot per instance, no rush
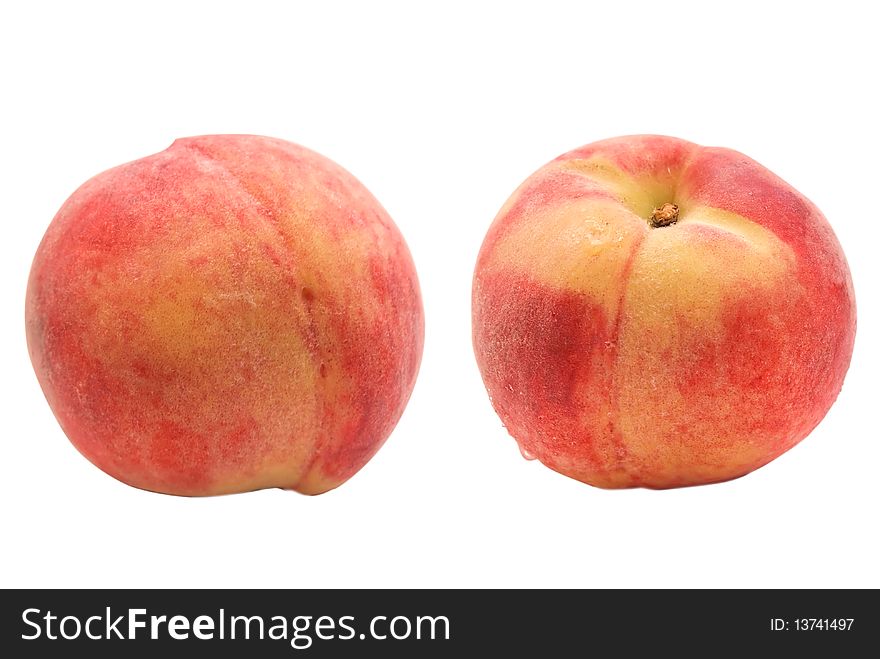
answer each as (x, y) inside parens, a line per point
(649, 312)
(233, 313)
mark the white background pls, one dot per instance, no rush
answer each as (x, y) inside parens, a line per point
(441, 111)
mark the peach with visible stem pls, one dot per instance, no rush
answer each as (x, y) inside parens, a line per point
(650, 312)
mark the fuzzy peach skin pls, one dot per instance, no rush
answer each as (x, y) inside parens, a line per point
(233, 313)
(625, 353)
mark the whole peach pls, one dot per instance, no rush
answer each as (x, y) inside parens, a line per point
(649, 312)
(233, 313)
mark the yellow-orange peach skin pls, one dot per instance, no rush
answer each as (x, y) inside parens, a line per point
(233, 313)
(650, 312)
